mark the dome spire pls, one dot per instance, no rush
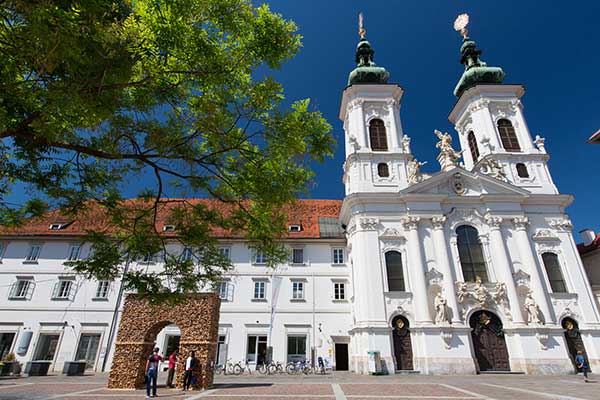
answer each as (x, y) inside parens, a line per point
(476, 71)
(366, 70)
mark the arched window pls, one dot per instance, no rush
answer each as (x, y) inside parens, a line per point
(395, 275)
(522, 170)
(508, 135)
(557, 283)
(383, 170)
(377, 135)
(473, 146)
(471, 254)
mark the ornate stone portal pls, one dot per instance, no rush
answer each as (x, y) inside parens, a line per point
(198, 320)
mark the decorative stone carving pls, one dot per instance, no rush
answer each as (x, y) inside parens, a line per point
(521, 278)
(504, 109)
(448, 156)
(446, 336)
(354, 143)
(486, 144)
(458, 185)
(533, 310)
(411, 222)
(481, 294)
(544, 235)
(406, 144)
(442, 316)
(491, 167)
(414, 171)
(521, 223)
(368, 224)
(561, 224)
(500, 295)
(461, 215)
(493, 222)
(438, 222)
(434, 277)
(391, 233)
(540, 143)
(461, 292)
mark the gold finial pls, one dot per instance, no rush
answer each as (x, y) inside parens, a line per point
(361, 29)
(460, 24)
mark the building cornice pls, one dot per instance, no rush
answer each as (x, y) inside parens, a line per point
(480, 91)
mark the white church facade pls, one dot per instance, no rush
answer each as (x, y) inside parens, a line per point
(470, 269)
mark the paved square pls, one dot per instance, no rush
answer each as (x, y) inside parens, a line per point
(336, 386)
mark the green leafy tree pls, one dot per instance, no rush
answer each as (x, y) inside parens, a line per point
(99, 95)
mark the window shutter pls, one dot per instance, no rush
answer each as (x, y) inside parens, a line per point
(56, 289)
(229, 291)
(13, 289)
(30, 287)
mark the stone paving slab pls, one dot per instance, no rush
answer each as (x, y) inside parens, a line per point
(407, 389)
(270, 389)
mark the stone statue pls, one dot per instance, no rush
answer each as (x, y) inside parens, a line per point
(354, 143)
(500, 295)
(441, 310)
(414, 171)
(448, 156)
(461, 292)
(406, 144)
(535, 315)
(491, 167)
(540, 143)
(481, 293)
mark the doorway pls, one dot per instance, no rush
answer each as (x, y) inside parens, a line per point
(6, 342)
(574, 341)
(257, 349)
(341, 356)
(88, 349)
(402, 344)
(222, 350)
(46, 348)
(488, 342)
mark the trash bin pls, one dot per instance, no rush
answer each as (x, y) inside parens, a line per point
(74, 368)
(374, 362)
(37, 368)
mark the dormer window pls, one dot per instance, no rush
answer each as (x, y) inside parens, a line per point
(169, 228)
(295, 228)
(56, 227)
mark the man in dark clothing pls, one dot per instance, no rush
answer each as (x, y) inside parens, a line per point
(190, 364)
(152, 372)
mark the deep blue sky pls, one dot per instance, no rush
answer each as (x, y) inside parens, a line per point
(554, 50)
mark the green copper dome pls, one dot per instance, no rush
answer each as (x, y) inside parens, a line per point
(367, 71)
(476, 71)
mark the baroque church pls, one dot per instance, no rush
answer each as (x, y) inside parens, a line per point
(470, 269)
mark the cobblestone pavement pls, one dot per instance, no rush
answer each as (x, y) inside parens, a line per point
(336, 386)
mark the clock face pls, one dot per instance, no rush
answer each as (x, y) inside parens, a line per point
(399, 324)
(461, 22)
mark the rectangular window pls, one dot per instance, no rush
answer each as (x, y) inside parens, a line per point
(339, 291)
(34, 252)
(259, 257)
(46, 348)
(74, 253)
(338, 256)
(259, 290)
(102, 289)
(298, 256)
(296, 348)
(21, 289)
(225, 252)
(223, 290)
(6, 343)
(297, 290)
(62, 290)
(88, 349)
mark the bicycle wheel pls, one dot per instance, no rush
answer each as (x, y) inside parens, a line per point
(262, 369)
(307, 370)
(236, 369)
(219, 369)
(290, 369)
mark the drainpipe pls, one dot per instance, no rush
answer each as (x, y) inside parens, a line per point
(113, 324)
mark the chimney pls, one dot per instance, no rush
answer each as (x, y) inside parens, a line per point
(588, 236)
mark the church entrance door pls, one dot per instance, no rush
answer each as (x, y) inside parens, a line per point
(488, 342)
(573, 339)
(402, 345)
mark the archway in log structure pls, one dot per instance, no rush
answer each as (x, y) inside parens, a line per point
(198, 320)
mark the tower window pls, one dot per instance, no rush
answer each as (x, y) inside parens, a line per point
(395, 275)
(470, 254)
(508, 135)
(557, 282)
(473, 146)
(377, 135)
(383, 170)
(522, 170)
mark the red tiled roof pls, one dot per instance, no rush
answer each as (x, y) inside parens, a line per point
(303, 212)
(591, 247)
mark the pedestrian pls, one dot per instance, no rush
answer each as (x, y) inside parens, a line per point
(171, 373)
(582, 364)
(152, 372)
(188, 375)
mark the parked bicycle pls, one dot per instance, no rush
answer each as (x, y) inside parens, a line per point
(299, 367)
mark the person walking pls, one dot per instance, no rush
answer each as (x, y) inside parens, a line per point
(188, 375)
(152, 372)
(582, 364)
(171, 371)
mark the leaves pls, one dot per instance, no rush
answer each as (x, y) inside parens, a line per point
(96, 96)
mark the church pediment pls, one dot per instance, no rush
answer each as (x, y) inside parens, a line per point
(463, 183)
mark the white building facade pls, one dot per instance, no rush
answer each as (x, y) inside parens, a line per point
(471, 269)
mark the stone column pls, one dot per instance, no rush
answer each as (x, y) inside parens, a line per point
(416, 270)
(394, 142)
(503, 269)
(443, 262)
(537, 284)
